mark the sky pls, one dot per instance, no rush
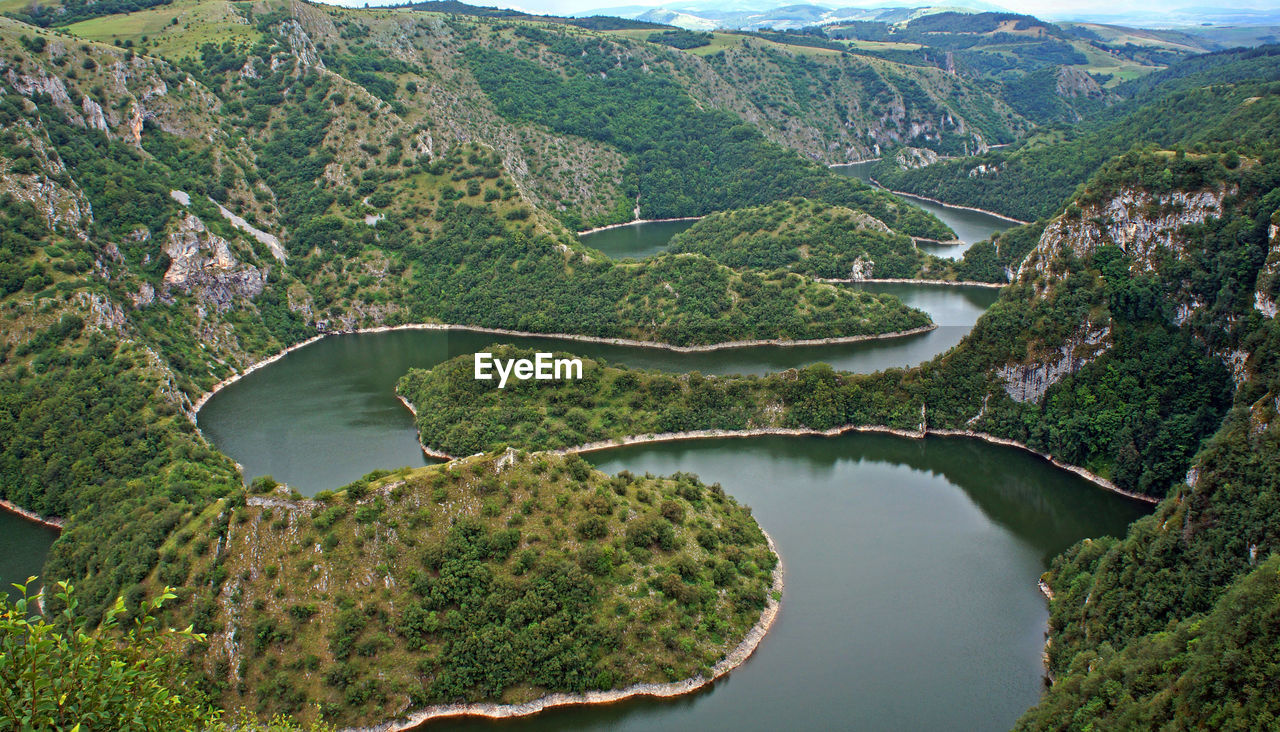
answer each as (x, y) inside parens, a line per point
(1046, 9)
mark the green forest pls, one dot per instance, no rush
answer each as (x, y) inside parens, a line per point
(189, 188)
(504, 576)
(812, 239)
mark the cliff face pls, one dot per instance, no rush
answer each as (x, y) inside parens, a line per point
(1028, 381)
(1135, 220)
(201, 263)
(1264, 298)
(837, 110)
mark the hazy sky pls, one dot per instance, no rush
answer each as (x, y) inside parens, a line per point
(1048, 9)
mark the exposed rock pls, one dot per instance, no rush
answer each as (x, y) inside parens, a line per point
(93, 114)
(1133, 219)
(269, 240)
(145, 296)
(1076, 83)
(300, 43)
(201, 263)
(915, 157)
(1264, 299)
(1027, 382)
(100, 312)
(861, 269)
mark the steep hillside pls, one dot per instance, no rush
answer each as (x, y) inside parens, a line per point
(176, 210)
(812, 239)
(1139, 341)
(1205, 104)
(498, 578)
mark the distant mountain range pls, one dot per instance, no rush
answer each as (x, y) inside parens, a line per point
(747, 15)
(755, 16)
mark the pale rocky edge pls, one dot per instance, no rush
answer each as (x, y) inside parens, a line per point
(637, 222)
(732, 660)
(918, 434)
(907, 281)
(560, 336)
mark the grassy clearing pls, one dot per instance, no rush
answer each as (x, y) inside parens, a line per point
(154, 30)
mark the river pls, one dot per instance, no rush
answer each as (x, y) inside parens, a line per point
(970, 226)
(24, 545)
(637, 241)
(327, 414)
(911, 565)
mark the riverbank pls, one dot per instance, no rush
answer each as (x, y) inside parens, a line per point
(732, 660)
(637, 222)
(948, 205)
(907, 281)
(52, 522)
(726, 345)
(833, 432)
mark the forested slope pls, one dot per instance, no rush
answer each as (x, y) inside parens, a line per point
(1138, 340)
(1217, 103)
(176, 210)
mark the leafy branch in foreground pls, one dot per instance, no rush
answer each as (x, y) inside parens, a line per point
(62, 675)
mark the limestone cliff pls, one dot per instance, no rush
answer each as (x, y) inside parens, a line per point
(201, 263)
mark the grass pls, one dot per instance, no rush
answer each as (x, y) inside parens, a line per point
(198, 22)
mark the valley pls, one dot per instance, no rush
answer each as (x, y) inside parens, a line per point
(238, 239)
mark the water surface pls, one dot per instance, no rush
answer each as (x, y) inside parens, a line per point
(970, 226)
(911, 568)
(24, 545)
(636, 241)
(327, 414)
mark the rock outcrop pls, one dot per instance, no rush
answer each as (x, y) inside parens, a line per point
(911, 158)
(201, 263)
(1264, 298)
(1138, 222)
(1029, 380)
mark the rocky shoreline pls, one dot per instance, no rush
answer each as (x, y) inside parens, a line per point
(908, 281)
(204, 398)
(951, 205)
(638, 221)
(833, 432)
(52, 522)
(733, 659)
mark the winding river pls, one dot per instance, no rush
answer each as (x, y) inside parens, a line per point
(911, 598)
(911, 565)
(637, 241)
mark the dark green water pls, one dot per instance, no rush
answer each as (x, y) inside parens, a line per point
(970, 226)
(327, 414)
(911, 565)
(23, 547)
(911, 568)
(636, 241)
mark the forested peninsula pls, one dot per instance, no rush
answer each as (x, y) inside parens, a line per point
(188, 188)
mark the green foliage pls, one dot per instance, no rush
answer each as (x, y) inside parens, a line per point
(61, 675)
(690, 161)
(681, 38)
(1035, 178)
(474, 606)
(481, 270)
(1213, 671)
(808, 238)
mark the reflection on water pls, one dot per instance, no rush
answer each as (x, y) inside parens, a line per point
(911, 570)
(970, 226)
(327, 414)
(23, 547)
(636, 241)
